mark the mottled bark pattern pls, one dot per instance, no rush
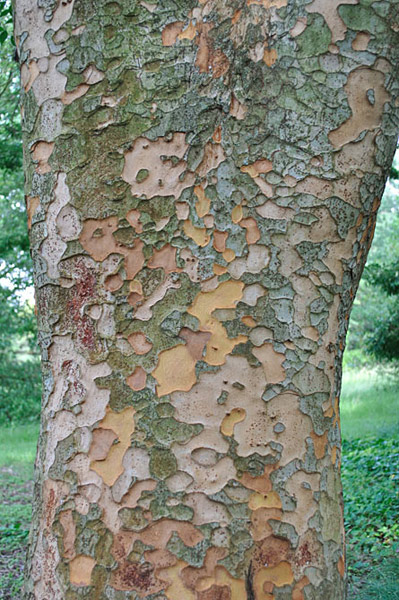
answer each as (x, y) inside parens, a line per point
(202, 180)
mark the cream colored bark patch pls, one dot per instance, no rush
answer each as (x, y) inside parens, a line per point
(80, 569)
(367, 95)
(122, 424)
(150, 175)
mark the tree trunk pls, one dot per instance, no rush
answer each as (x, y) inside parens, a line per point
(202, 182)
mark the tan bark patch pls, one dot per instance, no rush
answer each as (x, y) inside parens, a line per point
(365, 115)
(165, 258)
(268, 3)
(237, 110)
(137, 380)
(299, 27)
(171, 32)
(139, 343)
(361, 41)
(80, 569)
(102, 442)
(69, 536)
(151, 176)
(252, 234)
(329, 10)
(272, 363)
(113, 283)
(219, 240)
(41, 152)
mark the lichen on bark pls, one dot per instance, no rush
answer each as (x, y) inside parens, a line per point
(202, 181)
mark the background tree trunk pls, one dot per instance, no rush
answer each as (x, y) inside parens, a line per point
(202, 181)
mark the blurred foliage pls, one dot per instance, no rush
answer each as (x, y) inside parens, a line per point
(374, 324)
(370, 477)
(19, 361)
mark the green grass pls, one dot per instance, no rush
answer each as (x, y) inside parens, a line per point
(370, 475)
(369, 403)
(17, 454)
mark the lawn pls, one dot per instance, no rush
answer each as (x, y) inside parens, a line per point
(370, 471)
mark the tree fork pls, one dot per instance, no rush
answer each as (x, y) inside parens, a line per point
(202, 182)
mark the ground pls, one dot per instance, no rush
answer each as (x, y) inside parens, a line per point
(370, 470)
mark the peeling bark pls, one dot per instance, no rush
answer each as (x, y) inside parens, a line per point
(202, 183)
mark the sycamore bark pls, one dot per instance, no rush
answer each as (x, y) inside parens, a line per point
(202, 181)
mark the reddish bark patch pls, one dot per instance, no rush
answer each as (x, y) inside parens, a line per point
(136, 576)
(216, 592)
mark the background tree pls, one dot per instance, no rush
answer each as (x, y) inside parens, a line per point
(19, 360)
(202, 184)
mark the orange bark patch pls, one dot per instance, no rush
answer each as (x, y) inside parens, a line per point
(219, 269)
(175, 371)
(319, 443)
(249, 321)
(203, 204)
(137, 380)
(236, 213)
(139, 343)
(341, 566)
(236, 416)
(229, 255)
(268, 500)
(259, 166)
(198, 234)
(226, 295)
(209, 58)
(80, 569)
(122, 424)
(171, 32)
(32, 202)
(237, 110)
(175, 585)
(279, 575)
(270, 56)
(252, 234)
(176, 366)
